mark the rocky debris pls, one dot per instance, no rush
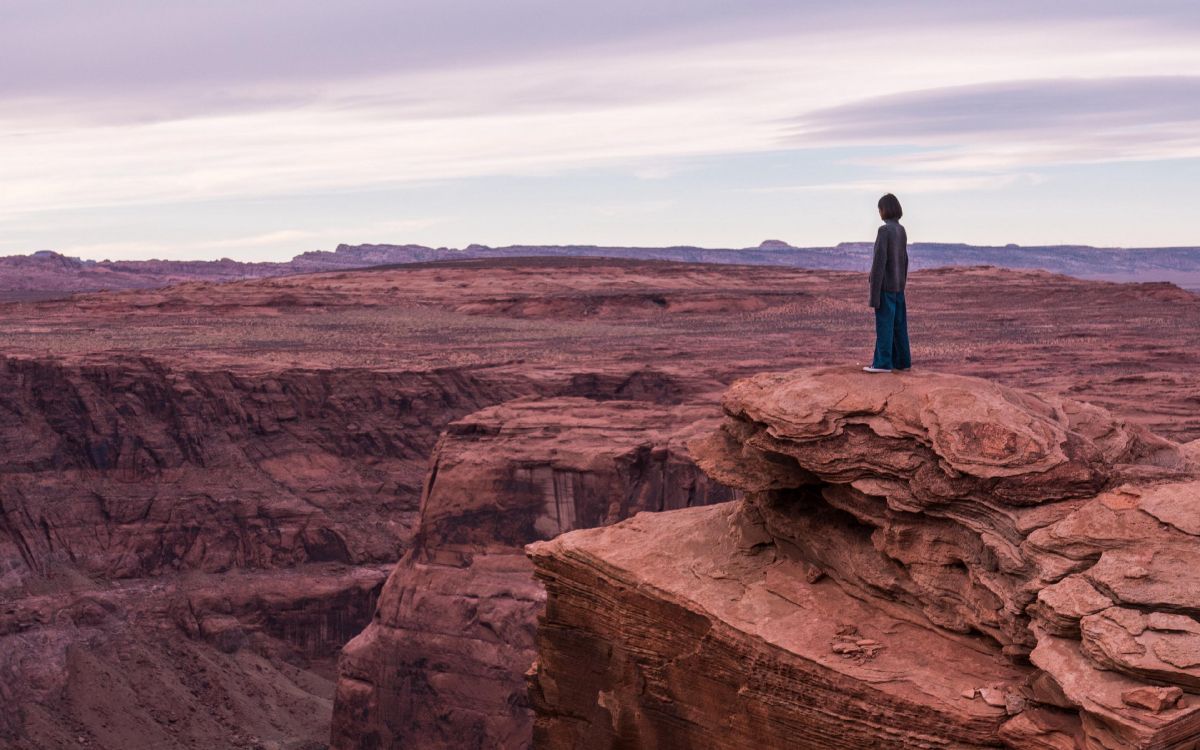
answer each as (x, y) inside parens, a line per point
(1040, 545)
(443, 662)
(848, 644)
(1156, 699)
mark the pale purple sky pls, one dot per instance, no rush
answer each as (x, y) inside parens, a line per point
(260, 129)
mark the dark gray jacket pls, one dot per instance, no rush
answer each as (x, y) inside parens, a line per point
(889, 269)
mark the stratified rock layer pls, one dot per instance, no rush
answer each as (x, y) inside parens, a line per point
(442, 664)
(157, 517)
(920, 560)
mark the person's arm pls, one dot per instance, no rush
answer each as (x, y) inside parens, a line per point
(878, 266)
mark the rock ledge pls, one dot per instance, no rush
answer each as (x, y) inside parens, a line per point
(920, 560)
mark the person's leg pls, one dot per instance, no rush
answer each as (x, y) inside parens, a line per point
(885, 322)
(901, 356)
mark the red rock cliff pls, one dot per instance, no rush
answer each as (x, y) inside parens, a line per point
(920, 560)
(442, 663)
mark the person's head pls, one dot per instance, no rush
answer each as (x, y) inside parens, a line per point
(889, 208)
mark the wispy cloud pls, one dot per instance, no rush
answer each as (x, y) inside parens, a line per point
(1009, 123)
(920, 184)
(265, 243)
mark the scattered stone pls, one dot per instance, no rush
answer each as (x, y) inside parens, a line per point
(993, 697)
(1156, 699)
(812, 573)
(1014, 703)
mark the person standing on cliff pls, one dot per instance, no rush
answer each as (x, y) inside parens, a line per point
(889, 272)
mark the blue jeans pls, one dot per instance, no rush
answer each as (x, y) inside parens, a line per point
(891, 333)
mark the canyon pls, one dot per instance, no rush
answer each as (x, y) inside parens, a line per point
(209, 489)
(442, 663)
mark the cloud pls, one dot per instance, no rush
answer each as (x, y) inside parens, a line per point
(278, 243)
(1057, 105)
(146, 103)
(907, 183)
(644, 111)
(1008, 123)
(161, 59)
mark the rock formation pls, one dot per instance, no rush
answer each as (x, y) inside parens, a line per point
(442, 663)
(920, 560)
(206, 479)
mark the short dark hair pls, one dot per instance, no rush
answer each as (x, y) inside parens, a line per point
(890, 206)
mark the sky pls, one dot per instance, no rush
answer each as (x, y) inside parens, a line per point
(259, 129)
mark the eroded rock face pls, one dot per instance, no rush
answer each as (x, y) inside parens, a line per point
(442, 664)
(133, 469)
(155, 517)
(920, 560)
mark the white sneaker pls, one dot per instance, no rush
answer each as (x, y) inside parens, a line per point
(874, 369)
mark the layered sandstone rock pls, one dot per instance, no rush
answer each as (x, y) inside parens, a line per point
(130, 468)
(156, 517)
(442, 663)
(921, 560)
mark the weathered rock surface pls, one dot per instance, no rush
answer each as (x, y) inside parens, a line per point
(442, 663)
(921, 560)
(255, 427)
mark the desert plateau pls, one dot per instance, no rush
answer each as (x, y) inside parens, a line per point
(292, 512)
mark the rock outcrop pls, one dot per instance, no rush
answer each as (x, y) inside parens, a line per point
(920, 560)
(442, 663)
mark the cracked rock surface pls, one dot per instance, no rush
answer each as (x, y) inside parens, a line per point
(919, 560)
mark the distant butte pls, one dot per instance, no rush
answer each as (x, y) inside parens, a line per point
(47, 275)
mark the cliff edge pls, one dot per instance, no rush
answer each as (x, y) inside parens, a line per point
(919, 560)
(442, 663)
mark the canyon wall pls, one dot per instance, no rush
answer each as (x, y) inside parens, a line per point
(443, 662)
(920, 560)
(158, 523)
(128, 468)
